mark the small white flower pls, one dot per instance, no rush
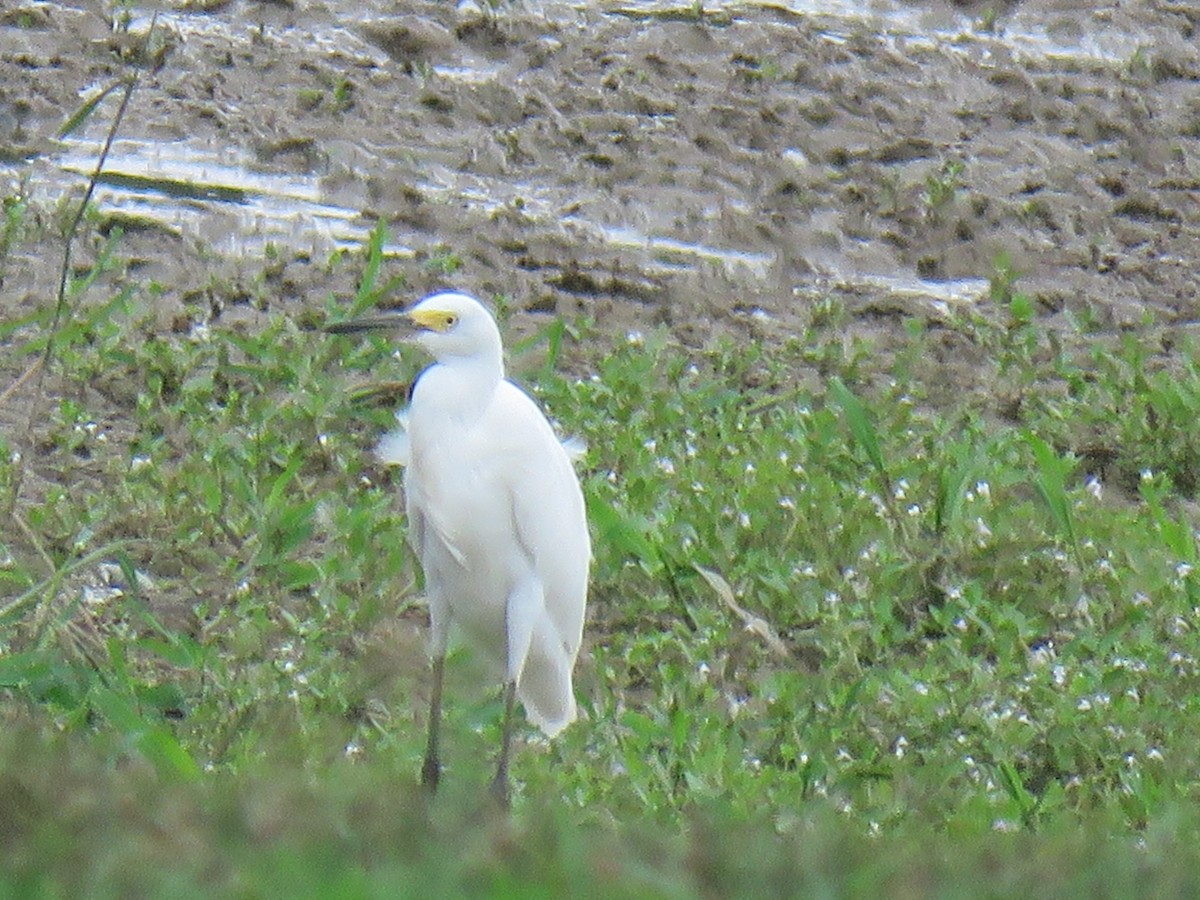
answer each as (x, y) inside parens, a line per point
(1094, 487)
(1147, 475)
(744, 520)
(666, 466)
(983, 489)
(1041, 654)
(787, 503)
(635, 339)
(914, 510)
(1183, 569)
(735, 703)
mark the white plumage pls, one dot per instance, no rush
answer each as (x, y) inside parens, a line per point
(496, 516)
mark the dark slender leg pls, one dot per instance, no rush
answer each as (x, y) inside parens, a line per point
(432, 769)
(500, 782)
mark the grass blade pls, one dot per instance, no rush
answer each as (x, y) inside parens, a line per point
(861, 427)
(155, 742)
(1050, 483)
(620, 530)
(85, 111)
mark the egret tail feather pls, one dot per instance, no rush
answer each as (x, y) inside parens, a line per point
(545, 688)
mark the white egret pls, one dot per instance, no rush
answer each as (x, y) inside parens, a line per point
(496, 516)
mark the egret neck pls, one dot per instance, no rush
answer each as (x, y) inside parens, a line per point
(463, 386)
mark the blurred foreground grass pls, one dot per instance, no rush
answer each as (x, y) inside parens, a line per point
(847, 636)
(76, 826)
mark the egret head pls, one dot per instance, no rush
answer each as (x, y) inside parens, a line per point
(449, 325)
(452, 325)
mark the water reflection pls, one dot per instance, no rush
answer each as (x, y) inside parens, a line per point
(221, 196)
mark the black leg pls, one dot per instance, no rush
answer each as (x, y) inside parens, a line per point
(432, 769)
(500, 782)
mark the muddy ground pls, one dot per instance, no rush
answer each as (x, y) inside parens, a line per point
(716, 170)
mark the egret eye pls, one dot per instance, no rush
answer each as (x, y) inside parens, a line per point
(451, 320)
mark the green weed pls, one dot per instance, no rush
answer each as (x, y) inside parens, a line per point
(821, 611)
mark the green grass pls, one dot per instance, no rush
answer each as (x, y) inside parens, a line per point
(842, 641)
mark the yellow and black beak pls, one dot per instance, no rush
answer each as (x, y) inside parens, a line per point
(439, 320)
(393, 321)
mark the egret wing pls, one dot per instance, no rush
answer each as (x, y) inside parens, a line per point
(395, 448)
(548, 513)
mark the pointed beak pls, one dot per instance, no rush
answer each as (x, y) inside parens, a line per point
(393, 321)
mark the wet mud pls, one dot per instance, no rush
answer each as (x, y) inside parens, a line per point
(715, 170)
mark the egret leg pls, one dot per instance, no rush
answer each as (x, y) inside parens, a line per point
(500, 782)
(431, 770)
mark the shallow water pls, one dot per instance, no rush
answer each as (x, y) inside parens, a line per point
(219, 195)
(212, 194)
(625, 161)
